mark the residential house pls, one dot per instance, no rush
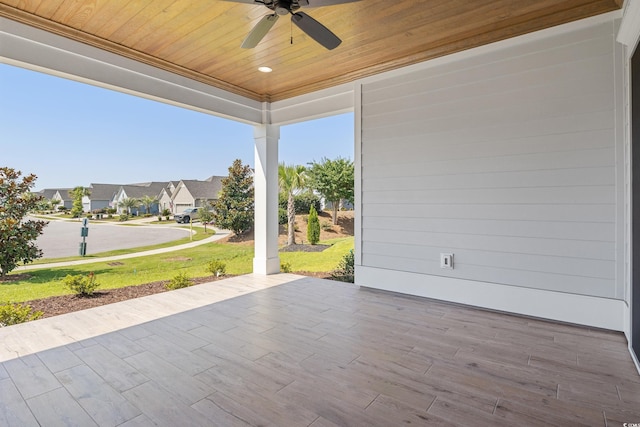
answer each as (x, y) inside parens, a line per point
(100, 196)
(191, 193)
(164, 198)
(62, 194)
(138, 191)
(47, 193)
(59, 194)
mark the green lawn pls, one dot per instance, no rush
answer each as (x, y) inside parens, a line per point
(135, 271)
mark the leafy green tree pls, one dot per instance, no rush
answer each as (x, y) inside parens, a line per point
(128, 203)
(77, 194)
(234, 208)
(148, 201)
(290, 179)
(205, 214)
(334, 180)
(17, 236)
(313, 226)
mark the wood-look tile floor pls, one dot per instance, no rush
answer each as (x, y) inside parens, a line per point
(298, 351)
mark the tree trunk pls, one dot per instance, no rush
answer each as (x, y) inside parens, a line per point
(335, 211)
(291, 221)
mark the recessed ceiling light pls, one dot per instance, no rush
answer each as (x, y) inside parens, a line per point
(265, 69)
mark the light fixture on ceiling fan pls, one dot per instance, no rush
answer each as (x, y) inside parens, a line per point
(306, 23)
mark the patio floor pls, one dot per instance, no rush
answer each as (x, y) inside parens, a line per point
(289, 350)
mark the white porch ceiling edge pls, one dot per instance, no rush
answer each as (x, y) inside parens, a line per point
(39, 50)
(42, 51)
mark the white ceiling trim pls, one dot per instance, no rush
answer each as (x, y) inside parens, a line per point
(315, 105)
(629, 33)
(42, 51)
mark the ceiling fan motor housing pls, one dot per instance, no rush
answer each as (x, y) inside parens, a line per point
(284, 7)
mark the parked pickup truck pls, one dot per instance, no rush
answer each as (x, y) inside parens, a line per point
(187, 216)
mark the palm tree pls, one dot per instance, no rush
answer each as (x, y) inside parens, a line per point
(148, 202)
(54, 203)
(290, 179)
(128, 203)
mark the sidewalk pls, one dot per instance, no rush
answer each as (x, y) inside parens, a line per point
(220, 234)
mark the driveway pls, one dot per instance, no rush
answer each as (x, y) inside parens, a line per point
(62, 238)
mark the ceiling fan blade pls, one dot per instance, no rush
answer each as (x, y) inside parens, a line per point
(321, 3)
(316, 30)
(259, 31)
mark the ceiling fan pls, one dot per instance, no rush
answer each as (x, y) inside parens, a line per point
(306, 23)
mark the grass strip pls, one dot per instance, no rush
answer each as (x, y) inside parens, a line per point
(145, 269)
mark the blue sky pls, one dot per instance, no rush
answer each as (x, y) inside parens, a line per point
(70, 134)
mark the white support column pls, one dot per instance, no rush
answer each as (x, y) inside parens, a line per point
(266, 260)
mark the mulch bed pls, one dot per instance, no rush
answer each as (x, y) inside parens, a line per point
(54, 306)
(304, 248)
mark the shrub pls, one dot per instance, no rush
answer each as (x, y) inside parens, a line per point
(326, 226)
(12, 314)
(82, 285)
(124, 217)
(345, 270)
(217, 267)
(282, 216)
(181, 280)
(63, 208)
(301, 202)
(313, 226)
(285, 267)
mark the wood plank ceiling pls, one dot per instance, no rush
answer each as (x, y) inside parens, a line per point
(201, 38)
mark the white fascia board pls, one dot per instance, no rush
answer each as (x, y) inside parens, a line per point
(629, 32)
(315, 105)
(39, 50)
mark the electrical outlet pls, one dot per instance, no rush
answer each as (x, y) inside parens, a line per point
(446, 261)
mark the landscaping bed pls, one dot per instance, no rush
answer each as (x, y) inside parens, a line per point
(54, 306)
(62, 304)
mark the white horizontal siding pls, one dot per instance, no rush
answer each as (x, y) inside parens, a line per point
(508, 160)
(569, 230)
(499, 211)
(504, 179)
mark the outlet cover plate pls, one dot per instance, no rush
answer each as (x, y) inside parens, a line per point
(446, 261)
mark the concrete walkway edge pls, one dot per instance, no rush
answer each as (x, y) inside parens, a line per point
(220, 234)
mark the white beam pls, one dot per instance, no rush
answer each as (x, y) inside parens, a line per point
(629, 32)
(35, 49)
(266, 260)
(315, 105)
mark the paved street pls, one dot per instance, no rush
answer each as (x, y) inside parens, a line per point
(62, 238)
